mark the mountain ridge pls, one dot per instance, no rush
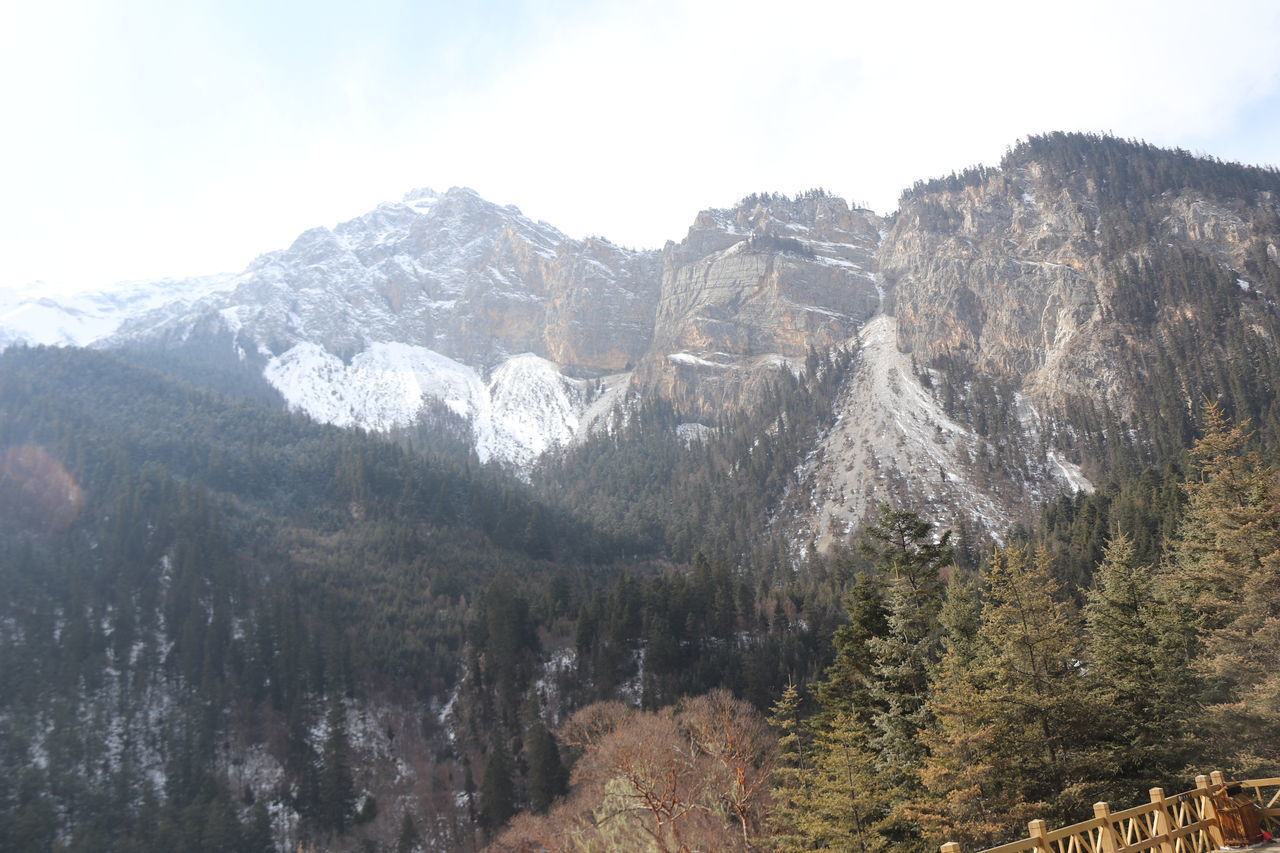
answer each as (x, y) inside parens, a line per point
(1019, 295)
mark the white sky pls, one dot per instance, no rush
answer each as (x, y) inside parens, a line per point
(150, 138)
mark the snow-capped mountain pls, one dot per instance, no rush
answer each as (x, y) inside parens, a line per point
(441, 296)
(80, 319)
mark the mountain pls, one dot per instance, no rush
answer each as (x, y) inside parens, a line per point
(1018, 330)
(1095, 272)
(525, 335)
(80, 319)
(443, 298)
(224, 625)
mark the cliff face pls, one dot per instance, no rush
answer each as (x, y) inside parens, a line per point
(600, 305)
(753, 288)
(1067, 273)
(439, 296)
(1071, 309)
(455, 274)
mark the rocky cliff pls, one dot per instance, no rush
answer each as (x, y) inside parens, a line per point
(527, 335)
(1049, 321)
(753, 288)
(1067, 269)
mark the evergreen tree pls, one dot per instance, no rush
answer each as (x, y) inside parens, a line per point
(258, 837)
(1224, 571)
(844, 686)
(335, 790)
(1139, 663)
(840, 803)
(791, 776)
(221, 828)
(497, 788)
(1012, 719)
(961, 617)
(409, 841)
(902, 549)
(909, 563)
(548, 778)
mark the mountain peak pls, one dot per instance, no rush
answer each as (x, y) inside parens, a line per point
(420, 195)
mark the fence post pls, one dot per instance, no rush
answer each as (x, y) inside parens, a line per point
(1163, 822)
(950, 847)
(1108, 842)
(1204, 789)
(1217, 778)
(1039, 834)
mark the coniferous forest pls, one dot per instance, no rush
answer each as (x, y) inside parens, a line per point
(227, 627)
(182, 571)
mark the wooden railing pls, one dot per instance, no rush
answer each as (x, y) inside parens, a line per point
(1183, 823)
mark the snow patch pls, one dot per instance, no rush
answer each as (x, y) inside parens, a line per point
(533, 408)
(691, 432)
(691, 359)
(1071, 473)
(526, 407)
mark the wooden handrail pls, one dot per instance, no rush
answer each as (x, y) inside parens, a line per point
(1183, 823)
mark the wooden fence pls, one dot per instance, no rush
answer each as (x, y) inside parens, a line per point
(1184, 823)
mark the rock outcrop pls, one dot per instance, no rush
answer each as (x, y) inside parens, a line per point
(1071, 309)
(752, 289)
(1065, 277)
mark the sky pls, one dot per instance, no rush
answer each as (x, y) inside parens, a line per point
(141, 139)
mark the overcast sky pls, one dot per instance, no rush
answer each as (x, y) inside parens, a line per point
(150, 138)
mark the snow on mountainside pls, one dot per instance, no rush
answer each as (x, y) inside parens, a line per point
(442, 296)
(79, 319)
(523, 409)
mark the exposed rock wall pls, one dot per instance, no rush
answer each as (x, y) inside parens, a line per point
(752, 289)
(1022, 275)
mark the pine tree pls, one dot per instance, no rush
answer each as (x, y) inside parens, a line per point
(836, 802)
(1139, 664)
(844, 685)
(257, 834)
(840, 804)
(1011, 732)
(497, 789)
(548, 778)
(790, 777)
(409, 840)
(1224, 571)
(910, 563)
(221, 829)
(335, 787)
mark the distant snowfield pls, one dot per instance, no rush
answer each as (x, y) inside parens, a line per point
(524, 409)
(80, 319)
